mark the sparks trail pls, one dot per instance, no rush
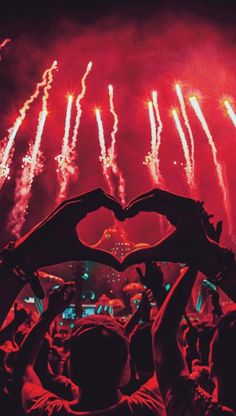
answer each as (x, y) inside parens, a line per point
(33, 164)
(230, 112)
(67, 163)
(188, 167)
(111, 150)
(65, 169)
(219, 170)
(3, 44)
(7, 148)
(189, 130)
(104, 158)
(79, 110)
(152, 159)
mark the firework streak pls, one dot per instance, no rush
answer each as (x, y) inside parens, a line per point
(7, 145)
(188, 167)
(104, 158)
(67, 160)
(230, 112)
(111, 151)
(219, 171)
(152, 159)
(33, 164)
(64, 167)
(2, 44)
(190, 134)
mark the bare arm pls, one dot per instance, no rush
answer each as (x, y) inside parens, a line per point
(169, 360)
(29, 350)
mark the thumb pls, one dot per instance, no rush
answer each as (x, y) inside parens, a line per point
(219, 228)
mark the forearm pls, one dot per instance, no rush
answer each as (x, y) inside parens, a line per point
(228, 283)
(173, 308)
(169, 359)
(9, 330)
(32, 343)
(10, 287)
(132, 322)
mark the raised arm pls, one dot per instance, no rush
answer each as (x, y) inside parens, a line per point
(169, 359)
(58, 301)
(190, 242)
(54, 240)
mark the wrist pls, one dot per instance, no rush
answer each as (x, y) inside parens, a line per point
(49, 315)
(218, 264)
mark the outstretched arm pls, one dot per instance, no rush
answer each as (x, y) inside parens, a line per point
(58, 301)
(169, 360)
(54, 240)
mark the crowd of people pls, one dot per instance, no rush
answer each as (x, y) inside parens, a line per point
(168, 365)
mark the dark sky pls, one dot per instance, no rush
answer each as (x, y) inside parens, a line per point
(31, 16)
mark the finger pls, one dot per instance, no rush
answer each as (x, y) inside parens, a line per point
(78, 209)
(141, 196)
(176, 247)
(140, 273)
(87, 196)
(101, 256)
(138, 256)
(219, 228)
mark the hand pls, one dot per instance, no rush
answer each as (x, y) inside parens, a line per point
(152, 278)
(60, 298)
(55, 240)
(145, 305)
(213, 232)
(20, 315)
(188, 243)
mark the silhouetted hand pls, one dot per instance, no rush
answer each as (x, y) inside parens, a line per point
(145, 305)
(21, 314)
(153, 279)
(55, 240)
(213, 232)
(188, 243)
(60, 298)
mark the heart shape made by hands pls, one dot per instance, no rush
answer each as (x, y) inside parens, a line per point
(188, 243)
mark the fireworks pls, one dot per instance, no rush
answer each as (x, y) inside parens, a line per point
(66, 161)
(184, 143)
(189, 130)
(219, 171)
(33, 164)
(67, 168)
(64, 167)
(2, 44)
(152, 159)
(230, 112)
(104, 158)
(79, 108)
(111, 150)
(7, 150)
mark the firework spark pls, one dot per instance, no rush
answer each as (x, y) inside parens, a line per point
(104, 158)
(152, 159)
(219, 170)
(79, 108)
(3, 44)
(188, 127)
(33, 164)
(230, 112)
(7, 149)
(64, 169)
(184, 143)
(111, 150)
